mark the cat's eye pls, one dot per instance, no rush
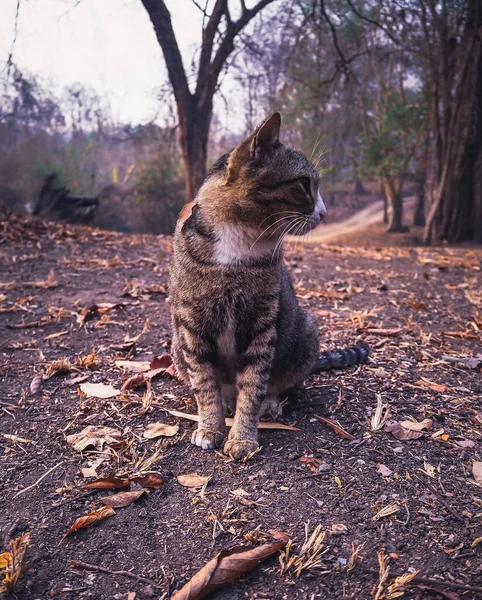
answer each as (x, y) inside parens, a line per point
(306, 183)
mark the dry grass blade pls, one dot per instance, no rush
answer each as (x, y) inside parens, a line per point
(147, 399)
(386, 511)
(355, 557)
(336, 428)
(383, 571)
(379, 417)
(230, 421)
(13, 561)
(310, 553)
(395, 589)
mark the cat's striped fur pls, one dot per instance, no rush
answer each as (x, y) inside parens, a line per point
(239, 335)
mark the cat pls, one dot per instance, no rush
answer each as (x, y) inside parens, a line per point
(239, 336)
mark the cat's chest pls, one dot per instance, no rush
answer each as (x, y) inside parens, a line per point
(226, 341)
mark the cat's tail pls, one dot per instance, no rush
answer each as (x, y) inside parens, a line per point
(342, 358)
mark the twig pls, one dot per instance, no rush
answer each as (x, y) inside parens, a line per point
(78, 564)
(39, 480)
(448, 584)
(451, 510)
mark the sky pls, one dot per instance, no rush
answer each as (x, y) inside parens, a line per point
(107, 45)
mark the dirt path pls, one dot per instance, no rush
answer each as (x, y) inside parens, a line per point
(69, 298)
(370, 215)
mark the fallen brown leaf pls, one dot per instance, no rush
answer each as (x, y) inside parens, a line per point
(35, 384)
(94, 517)
(230, 421)
(99, 390)
(107, 483)
(136, 366)
(336, 428)
(477, 471)
(417, 426)
(400, 432)
(157, 366)
(191, 480)
(155, 430)
(93, 436)
(436, 387)
(225, 567)
(384, 332)
(150, 480)
(122, 499)
(384, 470)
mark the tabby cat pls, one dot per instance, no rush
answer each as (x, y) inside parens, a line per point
(240, 338)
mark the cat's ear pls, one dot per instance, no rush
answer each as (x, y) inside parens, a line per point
(263, 140)
(267, 136)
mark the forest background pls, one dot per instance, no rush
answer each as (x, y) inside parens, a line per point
(385, 97)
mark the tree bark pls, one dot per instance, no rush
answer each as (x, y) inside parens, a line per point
(394, 197)
(455, 214)
(419, 213)
(195, 108)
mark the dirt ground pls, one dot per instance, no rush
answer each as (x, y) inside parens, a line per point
(419, 309)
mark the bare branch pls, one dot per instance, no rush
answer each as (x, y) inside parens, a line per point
(161, 20)
(371, 21)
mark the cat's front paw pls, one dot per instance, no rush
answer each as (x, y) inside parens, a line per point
(207, 439)
(240, 449)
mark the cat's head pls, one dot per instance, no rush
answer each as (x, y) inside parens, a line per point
(265, 186)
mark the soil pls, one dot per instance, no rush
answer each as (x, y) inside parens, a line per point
(414, 306)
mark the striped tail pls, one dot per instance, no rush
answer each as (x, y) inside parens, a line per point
(341, 359)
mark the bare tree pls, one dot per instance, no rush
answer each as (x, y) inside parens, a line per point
(195, 108)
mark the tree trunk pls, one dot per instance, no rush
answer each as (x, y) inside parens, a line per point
(395, 199)
(359, 189)
(419, 214)
(456, 208)
(194, 124)
(385, 205)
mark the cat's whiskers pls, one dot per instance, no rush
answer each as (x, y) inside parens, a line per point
(287, 230)
(288, 216)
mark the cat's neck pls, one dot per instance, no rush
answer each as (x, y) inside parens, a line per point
(236, 244)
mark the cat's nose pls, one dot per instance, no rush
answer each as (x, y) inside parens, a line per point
(320, 208)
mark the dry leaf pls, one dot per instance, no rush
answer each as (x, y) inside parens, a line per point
(400, 432)
(436, 387)
(229, 421)
(99, 390)
(88, 472)
(93, 436)
(227, 566)
(107, 483)
(35, 384)
(13, 561)
(94, 517)
(136, 366)
(151, 480)
(384, 332)
(336, 428)
(477, 471)
(155, 430)
(415, 425)
(57, 367)
(384, 470)
(191, 480)
(122, 499)
(158, 366)
(465, 443)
